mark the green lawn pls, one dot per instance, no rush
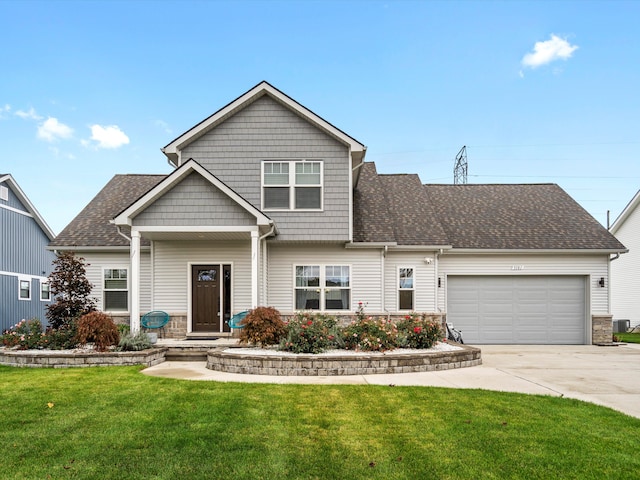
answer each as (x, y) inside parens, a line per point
(628, 337)
(114, 423)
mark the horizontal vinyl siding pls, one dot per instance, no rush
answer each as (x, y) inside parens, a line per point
(625, 273)
(171, 271)
(424, 280)
(97, 262)
(266, 130)
(595, 266)
(366, 273)
(194, 202)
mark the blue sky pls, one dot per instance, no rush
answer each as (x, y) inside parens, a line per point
(539, 92)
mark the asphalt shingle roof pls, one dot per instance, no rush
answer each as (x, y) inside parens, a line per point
(531, 216)
(91, 227)
(398, 208)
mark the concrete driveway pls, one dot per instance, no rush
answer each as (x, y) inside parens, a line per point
(608, 376)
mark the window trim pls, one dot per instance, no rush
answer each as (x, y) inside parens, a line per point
(128, 289)
(322, 287)
(291, 185)
(20, 280)
(401, 289)
(42, 284)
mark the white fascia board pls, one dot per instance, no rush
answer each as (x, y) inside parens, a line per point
(125, 217)
(421, 247)
(105, 249)
(172, 150)
(370, 244)
(27, 203)
(631, 206)
(575, 251)
(194, 229)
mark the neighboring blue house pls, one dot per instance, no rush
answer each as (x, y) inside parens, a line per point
(25, 263)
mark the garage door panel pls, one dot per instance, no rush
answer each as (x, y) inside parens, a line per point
(518, 309)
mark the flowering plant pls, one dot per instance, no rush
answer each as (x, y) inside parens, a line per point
(311, 333)
(418, 331)
(370, 334)
(25, 335)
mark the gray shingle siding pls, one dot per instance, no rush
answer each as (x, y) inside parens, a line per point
(194, 202)
(266, 130)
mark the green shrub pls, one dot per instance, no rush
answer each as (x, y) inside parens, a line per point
(311, 333)
(26, 335)
(262, 326)
(133, 342)
(63, 338)
(418, 331)
(370, 334)
(99, 328)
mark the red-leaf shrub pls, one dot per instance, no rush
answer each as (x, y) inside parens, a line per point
(99, 328)
(263, 326)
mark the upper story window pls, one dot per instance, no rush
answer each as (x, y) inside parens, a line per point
(292, 185)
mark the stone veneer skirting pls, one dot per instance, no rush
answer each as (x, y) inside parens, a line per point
(601, 329)
(362, 364)
(54, 359)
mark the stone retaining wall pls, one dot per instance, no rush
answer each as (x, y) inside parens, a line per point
(364, 364)
(53, 359)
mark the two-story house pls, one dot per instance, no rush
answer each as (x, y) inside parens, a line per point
(25, 261)
(270, 204)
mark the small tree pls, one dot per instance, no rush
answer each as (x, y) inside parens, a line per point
(71, 289)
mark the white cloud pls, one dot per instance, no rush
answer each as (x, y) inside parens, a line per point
(109, 136)
(31, 114)
(51, 129)
(549, 51)
(5, 109)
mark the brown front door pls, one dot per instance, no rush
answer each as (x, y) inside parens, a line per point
(205, 312)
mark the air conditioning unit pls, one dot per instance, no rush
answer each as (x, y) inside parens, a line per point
(621, 326)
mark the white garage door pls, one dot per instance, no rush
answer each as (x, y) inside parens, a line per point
(518, 310)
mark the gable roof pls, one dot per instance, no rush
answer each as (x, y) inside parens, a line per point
(517, 217)
(22, 197)
(126, 215)
(172, 149)
(628, 210)
(92, 227)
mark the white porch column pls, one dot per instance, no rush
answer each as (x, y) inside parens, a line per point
(135, 282)
(254, 269)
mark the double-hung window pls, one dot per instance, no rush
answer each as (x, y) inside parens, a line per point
(115, 294)
(24, 288)
(292, 185)
(406, 288)
(45, 291)
(323, 287)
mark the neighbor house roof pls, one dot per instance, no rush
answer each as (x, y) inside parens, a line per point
(503, 217)
(92, 227)
(628, 210)
(22, 197)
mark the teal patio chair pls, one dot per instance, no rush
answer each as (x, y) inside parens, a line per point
(155, 320)
(234, 322)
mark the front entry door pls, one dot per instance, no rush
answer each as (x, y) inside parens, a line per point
(205, 311)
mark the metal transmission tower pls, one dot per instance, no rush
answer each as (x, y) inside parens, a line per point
(460, 168)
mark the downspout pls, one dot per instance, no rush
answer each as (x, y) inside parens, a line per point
(382, 275)
(123, 235)
(263, 244)
(611, 259)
